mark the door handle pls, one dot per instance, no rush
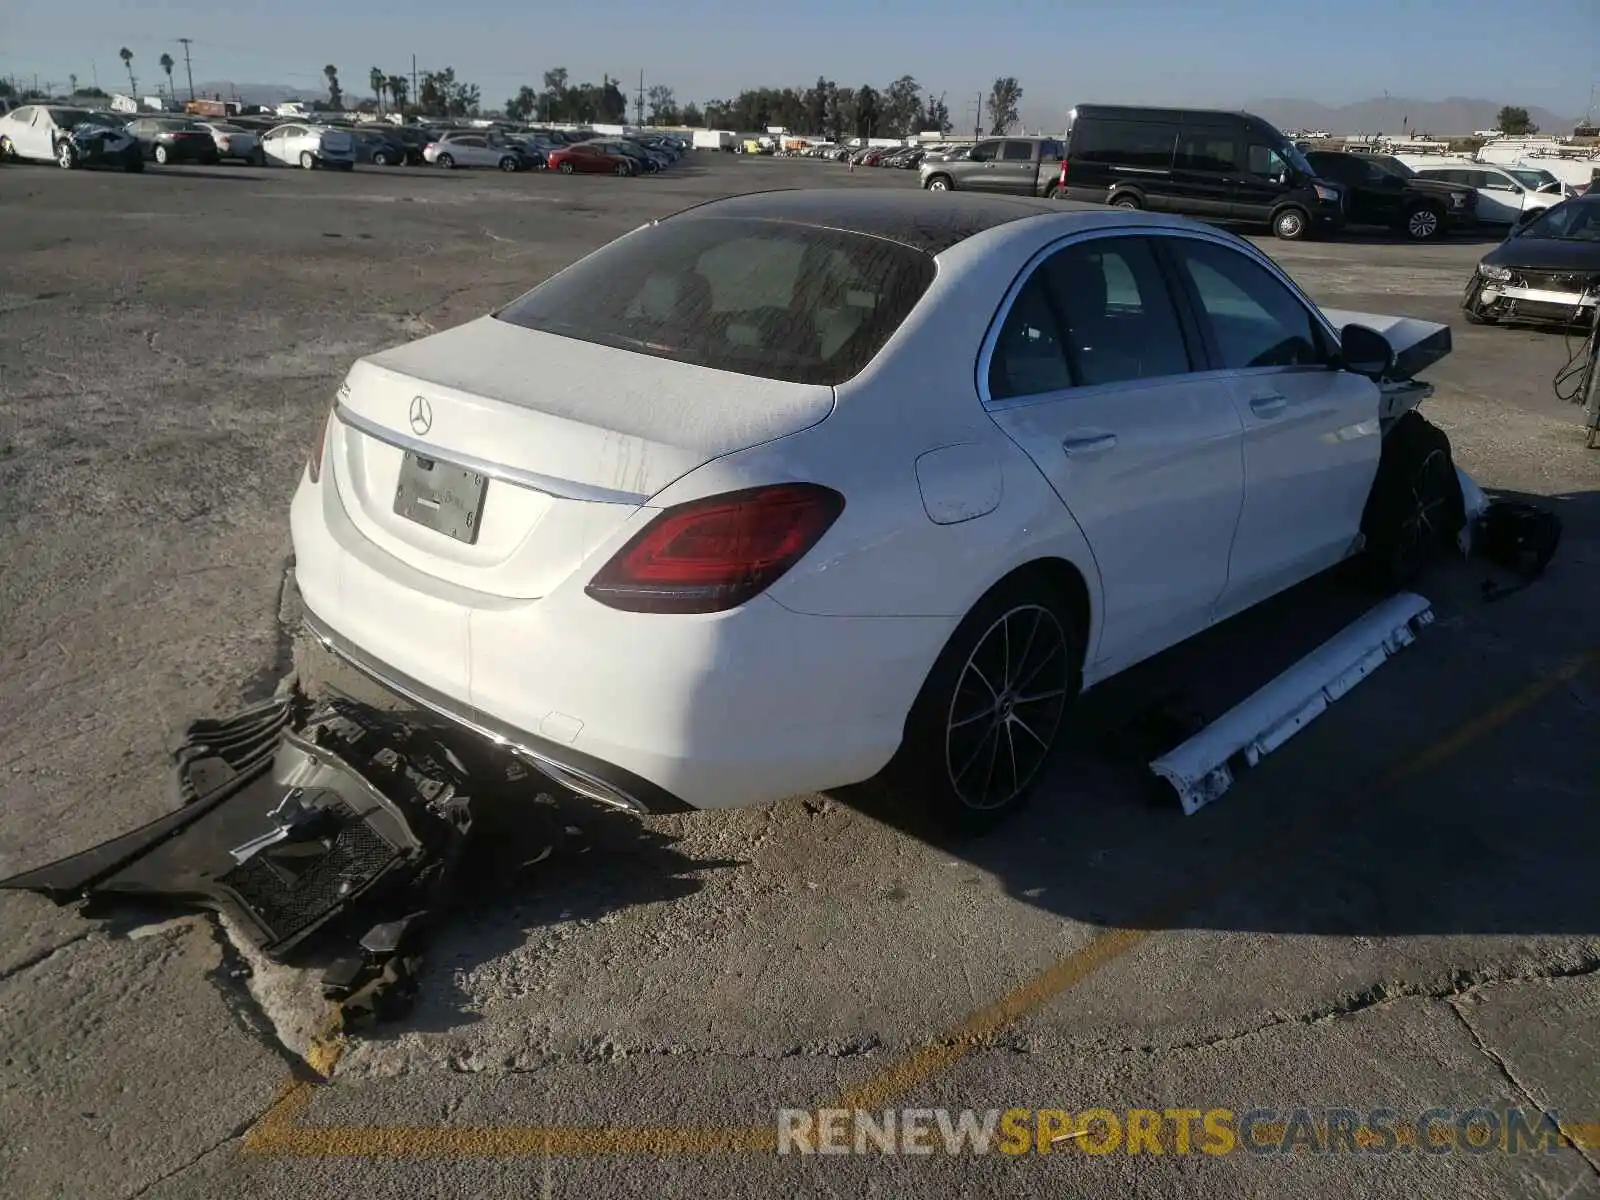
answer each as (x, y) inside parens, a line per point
(1268, 405)
(1087, 445)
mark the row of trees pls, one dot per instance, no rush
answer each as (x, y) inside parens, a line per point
(900, 109)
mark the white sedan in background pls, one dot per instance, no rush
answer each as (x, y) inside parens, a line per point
(797, 488)
(235, 141)
(304, 145)
(473, 150)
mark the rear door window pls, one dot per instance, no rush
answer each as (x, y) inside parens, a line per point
(1118, 318)
(1207, 150)
(765, 298)
(1018, 152)
(985, 152)
(1029, 357)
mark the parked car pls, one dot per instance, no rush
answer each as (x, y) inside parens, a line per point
(592, 158)
(1381, 190)
(378, 146)
(69, 137)
(1201, 162)
(1020, 166)
(1547, 272)
(463, 149)
(235, 142)
(1502, 197)
(828, 549)
(648, 161)
(301, 144)
(174, 140)
(414, 138)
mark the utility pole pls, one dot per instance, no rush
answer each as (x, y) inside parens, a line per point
(414, 94)
(977, 116)
(94, 73)
(638, 101)
(188, 66)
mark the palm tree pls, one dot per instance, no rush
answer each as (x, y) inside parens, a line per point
(126, 56)
(335, 93)
(399, 86)
(166, 65)
(376, 81)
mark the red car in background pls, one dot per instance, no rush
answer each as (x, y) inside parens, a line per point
(591, 160)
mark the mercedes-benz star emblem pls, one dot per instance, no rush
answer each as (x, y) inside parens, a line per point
(421, 415)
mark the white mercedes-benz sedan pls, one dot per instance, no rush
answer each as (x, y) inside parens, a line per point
(796, 489)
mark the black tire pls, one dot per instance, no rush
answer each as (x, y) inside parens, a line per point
(1415, 509)
(66, 157)
(161, 156)
(308, 161)
(1291, 224)
(380, 159)
(1424, 223)
(8, 152)
(445, 161)
(566, 168)
(1126, 200)
(508, 164)
(964, 722)
(939, 183)
(624, 169)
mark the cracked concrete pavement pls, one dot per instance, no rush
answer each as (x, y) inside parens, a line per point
(1354, 925)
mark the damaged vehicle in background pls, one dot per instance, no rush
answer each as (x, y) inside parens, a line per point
(235, 142)
(1546, 272)
(68, 137)
(799, 489)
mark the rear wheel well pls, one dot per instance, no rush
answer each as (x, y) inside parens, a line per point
(1066, 580)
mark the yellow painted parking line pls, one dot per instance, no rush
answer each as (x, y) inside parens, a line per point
(278, 1133)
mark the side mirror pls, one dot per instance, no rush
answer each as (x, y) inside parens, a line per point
(1365, 351)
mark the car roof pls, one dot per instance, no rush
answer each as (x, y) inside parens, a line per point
(928, 221)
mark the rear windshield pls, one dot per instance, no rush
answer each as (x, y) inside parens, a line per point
(766, 298)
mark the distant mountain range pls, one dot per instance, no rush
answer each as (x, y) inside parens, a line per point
(1454, 116)
(257, 93)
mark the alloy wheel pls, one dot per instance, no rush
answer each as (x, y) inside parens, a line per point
(1007, 707)
(1423, 224)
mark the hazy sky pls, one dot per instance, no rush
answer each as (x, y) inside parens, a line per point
(1157, 51)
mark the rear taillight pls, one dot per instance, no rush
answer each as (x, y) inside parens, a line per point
(715, 554)
(314, 462)
(1061, 180)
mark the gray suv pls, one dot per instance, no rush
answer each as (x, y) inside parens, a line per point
(1016, 166)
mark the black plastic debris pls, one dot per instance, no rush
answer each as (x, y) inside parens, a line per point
(294, 828)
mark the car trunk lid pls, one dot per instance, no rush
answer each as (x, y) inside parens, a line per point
(568, 440)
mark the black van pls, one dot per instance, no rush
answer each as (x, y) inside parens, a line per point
(1203, 162)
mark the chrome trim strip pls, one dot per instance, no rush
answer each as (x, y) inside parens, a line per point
(564, 488)
(468, 717)
(990, 338)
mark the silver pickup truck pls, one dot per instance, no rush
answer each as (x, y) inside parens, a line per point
(1016, 166)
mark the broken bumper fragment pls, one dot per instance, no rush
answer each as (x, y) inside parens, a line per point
(287, 830)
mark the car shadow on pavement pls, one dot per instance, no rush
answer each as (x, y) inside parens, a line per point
(1487, 834)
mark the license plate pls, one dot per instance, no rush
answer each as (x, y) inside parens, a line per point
(441, 496)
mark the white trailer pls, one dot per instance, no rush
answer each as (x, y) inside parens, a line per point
(713, 139)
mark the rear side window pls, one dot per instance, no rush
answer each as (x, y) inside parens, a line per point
(1124, 143)
(1018, 152)
(766, 298)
